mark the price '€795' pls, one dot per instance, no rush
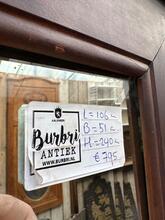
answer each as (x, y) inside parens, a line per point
(101, 136)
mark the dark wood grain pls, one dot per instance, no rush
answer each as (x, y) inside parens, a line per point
(132, 25)
(159, 86)
(137, 151)
(73, 197)
(153, 158)
(114, 37)
(38, 36)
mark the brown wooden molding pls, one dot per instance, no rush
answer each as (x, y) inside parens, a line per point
(27, 32)
(158, 78)
(153, 157)
(17, 78)
(30, 33)
(137, 150)
(113, 22)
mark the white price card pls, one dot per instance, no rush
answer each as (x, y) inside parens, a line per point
(66, 142)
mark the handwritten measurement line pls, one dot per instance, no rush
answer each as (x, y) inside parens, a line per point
(98, 148)
(102, 133)
(100, 119)
(96, 164)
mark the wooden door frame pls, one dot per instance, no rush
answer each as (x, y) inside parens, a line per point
(56, 45)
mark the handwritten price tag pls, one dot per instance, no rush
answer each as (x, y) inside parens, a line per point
(66, 142)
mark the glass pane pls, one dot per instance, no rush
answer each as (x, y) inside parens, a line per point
(23, 82)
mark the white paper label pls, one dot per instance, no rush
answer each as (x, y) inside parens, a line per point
(66, 142)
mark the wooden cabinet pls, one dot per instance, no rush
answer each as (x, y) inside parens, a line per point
(21, 91)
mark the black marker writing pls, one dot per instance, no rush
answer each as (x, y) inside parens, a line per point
(53, 138)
